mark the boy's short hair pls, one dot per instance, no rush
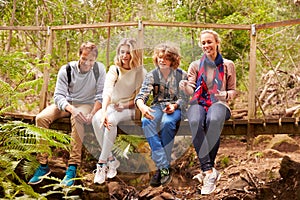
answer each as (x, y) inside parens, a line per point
(169, 51)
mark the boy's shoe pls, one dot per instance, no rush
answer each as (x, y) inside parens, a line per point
(112, 168)
(155, 180)
(210, 181)
(100, 174)
(39, 172)
(70, 175)
(165, 175)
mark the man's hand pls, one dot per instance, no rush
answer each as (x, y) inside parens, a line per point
(89, 118)
(78, 115)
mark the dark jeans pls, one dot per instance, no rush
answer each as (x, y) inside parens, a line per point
(206, 129)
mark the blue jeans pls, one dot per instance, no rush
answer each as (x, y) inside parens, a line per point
(206, 128)
(161, 144)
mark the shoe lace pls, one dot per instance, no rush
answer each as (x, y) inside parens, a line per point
(164, 172)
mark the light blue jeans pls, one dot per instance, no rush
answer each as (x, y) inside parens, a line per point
(206, 128)
(161, 143)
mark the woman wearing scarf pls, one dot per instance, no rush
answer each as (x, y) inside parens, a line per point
(211, 83)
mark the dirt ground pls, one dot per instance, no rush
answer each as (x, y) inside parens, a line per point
(246, 174)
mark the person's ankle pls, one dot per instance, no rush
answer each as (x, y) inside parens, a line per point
(111, 159)
(209, 171)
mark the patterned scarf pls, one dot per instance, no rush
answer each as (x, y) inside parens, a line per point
(202, 95)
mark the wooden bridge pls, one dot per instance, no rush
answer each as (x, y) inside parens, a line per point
(249, 127)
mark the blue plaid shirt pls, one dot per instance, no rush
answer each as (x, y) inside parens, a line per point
(167, 92)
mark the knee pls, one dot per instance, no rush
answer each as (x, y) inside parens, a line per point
(96, 118)
(194, 122)
(41, 121)
(168, 124)
(145, 121)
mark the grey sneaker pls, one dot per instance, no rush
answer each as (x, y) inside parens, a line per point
(112, 168)
(210, 181)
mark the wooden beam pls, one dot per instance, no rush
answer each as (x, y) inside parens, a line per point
(278, 24)
(95, 25)
(24, 28)
(198, 25)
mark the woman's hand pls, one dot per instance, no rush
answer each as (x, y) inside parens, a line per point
(104, 121)
(186, 87)
(221, 95)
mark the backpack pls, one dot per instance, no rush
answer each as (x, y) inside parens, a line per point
(156, 90)
(157, 81)
(95, 71)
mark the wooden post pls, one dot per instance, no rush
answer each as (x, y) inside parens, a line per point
(140, 39)
(108, 33)
(44, 91)
(252, 74)
(252, 86)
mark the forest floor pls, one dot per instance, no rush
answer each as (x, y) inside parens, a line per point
(246, 174)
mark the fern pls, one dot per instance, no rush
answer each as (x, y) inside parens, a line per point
(18, 144)
(122, 141)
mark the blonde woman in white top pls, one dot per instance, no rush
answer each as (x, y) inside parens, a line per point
(123, 81)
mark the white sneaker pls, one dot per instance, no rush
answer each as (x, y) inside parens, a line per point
(112, 168)
(210, 182)
(200, 177)
(100, 174)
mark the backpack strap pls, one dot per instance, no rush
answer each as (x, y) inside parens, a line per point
(178, 77)
(95, 72)
(156, 84)
(118, 73)
(68, 69)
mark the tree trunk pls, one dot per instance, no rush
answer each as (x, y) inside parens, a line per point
(11, 23)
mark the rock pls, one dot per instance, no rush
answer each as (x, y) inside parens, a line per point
(272, 153)
(284, 143)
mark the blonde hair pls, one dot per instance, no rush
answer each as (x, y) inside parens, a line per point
(170, 52)
(135, 53)
(216, 36)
